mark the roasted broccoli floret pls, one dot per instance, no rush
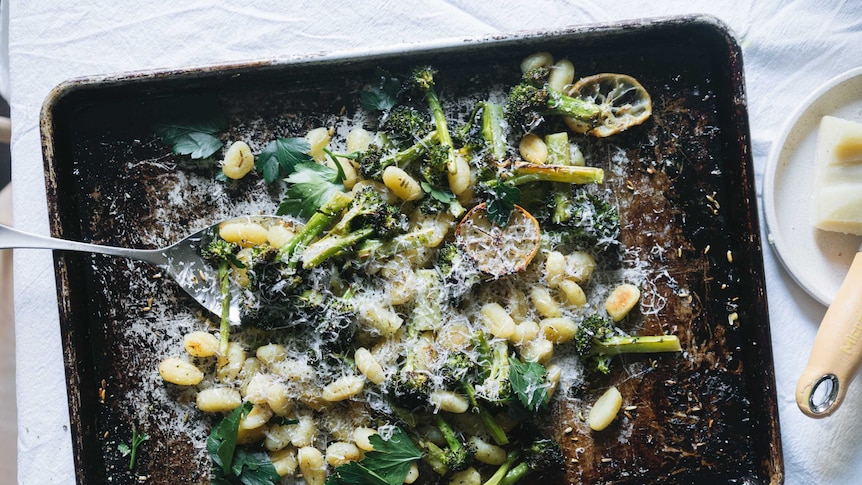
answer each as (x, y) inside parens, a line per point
(496, 387)
(543, 457)
(331, 317)
(455, 369)
(368, 215)
(433, 167)
(405, 125)
(595, 341)
(219, 250)
(271, 284)
(592, 329)
(373, 161)
(422, 80)
(411, 385)
(532, 99)
(588, 220)
(223, 254)
(456, 456)
(458, 271)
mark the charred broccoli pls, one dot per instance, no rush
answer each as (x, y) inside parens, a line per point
(543, 456)
(588, 221)
(422, 80)
(596, 341)
(368, 215)
(458, 271)
(532, 99)
(455, 457)
(373, 161)
(405, 125)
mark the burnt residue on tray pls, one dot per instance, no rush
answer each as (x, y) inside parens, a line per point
(683, 182)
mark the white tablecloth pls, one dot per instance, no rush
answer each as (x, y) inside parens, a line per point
(789, 48)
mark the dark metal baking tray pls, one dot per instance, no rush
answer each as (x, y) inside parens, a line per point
(688, 202)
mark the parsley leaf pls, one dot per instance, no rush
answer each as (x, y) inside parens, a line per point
(193, 132)
(382, 96)
(388, 464)
(311, 186)
(126, 450)
(280, 157)
(503, 200)
(221, 442)
(254, 468)
(528, 383)
(443, 195)
(251, 468)
(197, 145)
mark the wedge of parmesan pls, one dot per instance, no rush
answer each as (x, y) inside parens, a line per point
(838, 176)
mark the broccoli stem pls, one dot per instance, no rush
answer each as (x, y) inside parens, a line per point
(558, 154)
(448, 434)
(515, 474)
(558, 149)
(405, 242)
(562, 203)
(501, 473)
(560, 104)
(413, 152)
(424, 80)
(316, 223)
(224, 325)
(320, 251)
(636, 345)
(492, 129)
(491, 426)
(524, 173)
(435, 457)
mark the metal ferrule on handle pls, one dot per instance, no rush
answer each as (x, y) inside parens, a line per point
(837, 351)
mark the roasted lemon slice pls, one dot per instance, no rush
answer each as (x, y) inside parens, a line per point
(499, 251)
(623, 102)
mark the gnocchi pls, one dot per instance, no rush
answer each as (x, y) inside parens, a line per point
(312, 465)
(238, 161)
(401, 183)
(622, 300)
(497, 320)
(180, 372)
(533, 149)
(343, 388)
(218, 399)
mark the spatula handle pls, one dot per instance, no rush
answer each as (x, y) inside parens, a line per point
(837, 350)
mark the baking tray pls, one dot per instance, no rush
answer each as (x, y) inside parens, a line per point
(688, 206)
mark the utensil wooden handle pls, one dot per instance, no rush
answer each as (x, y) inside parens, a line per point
(837, 350)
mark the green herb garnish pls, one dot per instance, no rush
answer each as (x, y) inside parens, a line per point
(502, 203)
(388, 464)
(280, 156)
(132, 451)
(251, 468)
(194, 131)
(311, 186)
(383, 95)
(528, 383)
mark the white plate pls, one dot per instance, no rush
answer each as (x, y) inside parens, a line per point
(817, 260)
